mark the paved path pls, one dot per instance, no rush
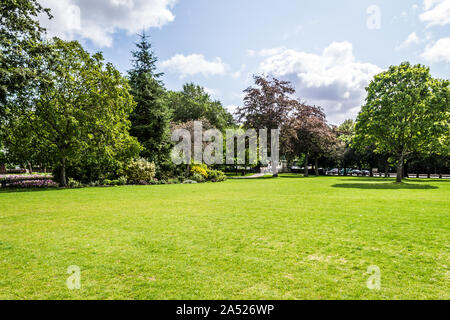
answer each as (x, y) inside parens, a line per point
(258, 175)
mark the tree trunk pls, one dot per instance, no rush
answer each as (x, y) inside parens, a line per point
(30, 167)
(62, 178)
(316, 167)
(400, 169)
(306, 165)
(386, 169)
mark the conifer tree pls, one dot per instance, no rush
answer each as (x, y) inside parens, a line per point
(150, 120)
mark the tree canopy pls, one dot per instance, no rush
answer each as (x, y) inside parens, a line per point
(194, 103)
(80, 107)
(406, 111)
(307, 132)
(20, 45)
(150, 120)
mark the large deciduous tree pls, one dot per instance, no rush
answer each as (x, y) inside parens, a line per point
(406, 111)
(307, 132)
(150, 120)
(267, 105)
(194, 103)
(79, 107)
(20, 44)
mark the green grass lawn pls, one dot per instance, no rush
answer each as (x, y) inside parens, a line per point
(285, 238)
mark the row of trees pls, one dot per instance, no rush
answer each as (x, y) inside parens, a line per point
(66, 109)
(406, 117)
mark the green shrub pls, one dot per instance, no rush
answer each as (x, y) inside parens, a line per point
(94, 183)
(122, 181)
(140, 170)
(72, 183)
(216, 176)
(200, 169)
(198, 177)
(106, 182)
(173, 181)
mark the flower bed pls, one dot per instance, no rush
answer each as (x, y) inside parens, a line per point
(33, 184)
(27, 181)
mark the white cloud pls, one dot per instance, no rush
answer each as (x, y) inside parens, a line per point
(439, 51)
(264, 52)
(250, 53)
(412, 39)
(238, 74)
(271, 51)
(214, 93)
(194, 64)
(437, 12)
(333, 80)
(98, 20)
(231, 108)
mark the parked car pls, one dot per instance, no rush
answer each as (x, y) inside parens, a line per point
(356, 171)
(348, 170)
(296, 169)
(332, 171)
(365, 172)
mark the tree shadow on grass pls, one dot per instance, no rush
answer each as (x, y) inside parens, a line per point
(383, 179)
(370, 179)
(383, 186)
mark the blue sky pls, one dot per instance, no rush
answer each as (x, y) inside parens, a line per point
(328, 49)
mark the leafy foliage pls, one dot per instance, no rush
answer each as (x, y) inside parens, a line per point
(216, 175)
(307, 132)
(406, 111)
(198, 177)
(79, 109)
(268, 104)
(150, 119)
(200, 169)
(140, 170)
(193, 103)
(20, 45)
